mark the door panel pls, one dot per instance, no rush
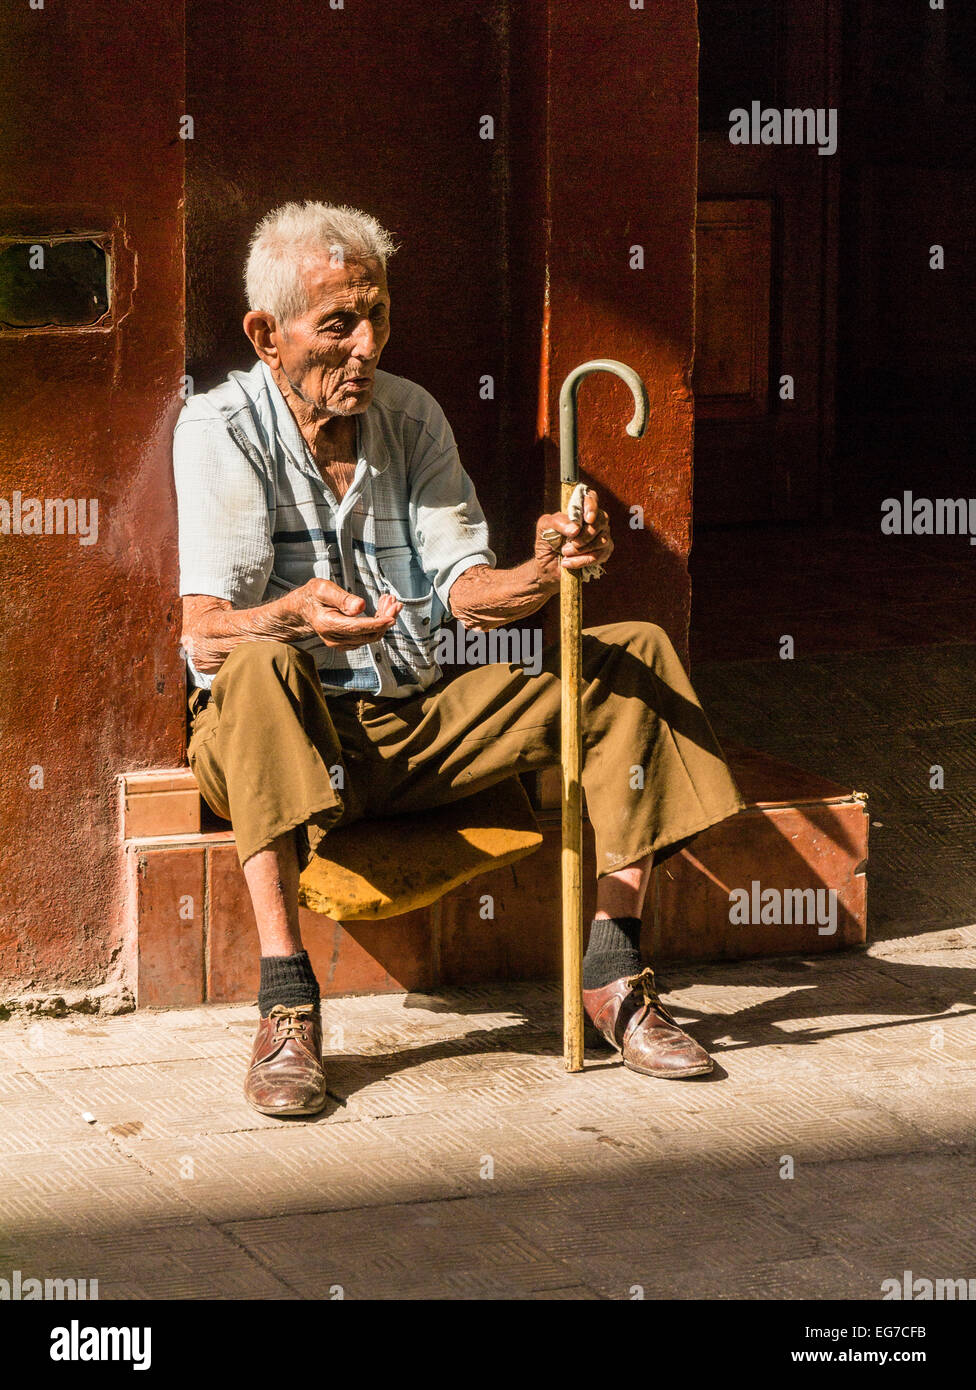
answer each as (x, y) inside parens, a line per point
(732, 301)
(760, 454)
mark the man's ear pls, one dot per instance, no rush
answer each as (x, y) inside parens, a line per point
(262, 329)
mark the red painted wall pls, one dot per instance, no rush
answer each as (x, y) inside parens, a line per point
(469, 284)
(514, 263)
(376, 105)
(622, 139)
(91, 679)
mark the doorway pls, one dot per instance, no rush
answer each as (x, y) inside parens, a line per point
(816, 635)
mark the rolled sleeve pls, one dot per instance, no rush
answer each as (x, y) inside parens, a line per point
(225, 537)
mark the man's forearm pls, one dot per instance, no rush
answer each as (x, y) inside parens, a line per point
(211, 631)
(485, 597)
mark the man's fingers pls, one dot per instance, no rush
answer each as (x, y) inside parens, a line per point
(595, 524)
(593, 517)
(580, 543)
(339, 618)
(335, 597)
(579, 562)
(346, 628)
(559, 521)
(593, 555)
(388, 606)
(595, 533)
(338, 627)
(349, 641)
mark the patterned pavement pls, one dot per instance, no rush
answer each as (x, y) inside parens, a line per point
(457, 1160)
(879, 722)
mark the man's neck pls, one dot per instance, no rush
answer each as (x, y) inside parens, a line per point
(331, 438)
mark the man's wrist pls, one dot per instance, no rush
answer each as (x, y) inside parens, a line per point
(546, 584)
(289, 613)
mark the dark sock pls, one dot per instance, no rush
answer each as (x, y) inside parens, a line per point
(286, 980)
(613, 950)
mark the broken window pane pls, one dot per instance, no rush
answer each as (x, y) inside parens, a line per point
(53, 282)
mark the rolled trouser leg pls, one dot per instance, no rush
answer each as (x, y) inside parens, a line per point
(266, 755)
(653, 772)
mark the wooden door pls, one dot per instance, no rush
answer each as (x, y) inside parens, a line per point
(766, 277)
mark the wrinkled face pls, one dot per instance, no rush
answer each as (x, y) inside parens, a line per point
(330, 353)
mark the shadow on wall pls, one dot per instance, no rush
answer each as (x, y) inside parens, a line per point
(219, 225)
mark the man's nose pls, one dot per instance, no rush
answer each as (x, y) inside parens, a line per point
(364, 341)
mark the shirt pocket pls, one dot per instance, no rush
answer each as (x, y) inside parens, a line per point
(400, 574)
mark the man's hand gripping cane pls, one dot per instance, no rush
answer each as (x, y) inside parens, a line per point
(575, 540)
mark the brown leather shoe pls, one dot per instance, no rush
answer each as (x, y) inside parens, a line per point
(285, 1076)
(630, 1015)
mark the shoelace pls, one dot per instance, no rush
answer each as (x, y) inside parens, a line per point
(651, 997)
(292, 1022)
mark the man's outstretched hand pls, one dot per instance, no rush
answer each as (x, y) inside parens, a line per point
(338, 617)
(586, 545)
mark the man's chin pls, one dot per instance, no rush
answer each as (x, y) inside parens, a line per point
(357, 403)
(346, 405)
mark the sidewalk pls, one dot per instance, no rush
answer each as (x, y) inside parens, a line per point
(459, 1160)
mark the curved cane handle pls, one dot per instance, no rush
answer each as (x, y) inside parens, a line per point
(568, 459)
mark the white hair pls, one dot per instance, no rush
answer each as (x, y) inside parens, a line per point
(287, 239)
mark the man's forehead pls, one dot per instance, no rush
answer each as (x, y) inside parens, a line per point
(326, 283)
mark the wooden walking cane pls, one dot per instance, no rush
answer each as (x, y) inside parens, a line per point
(570, 639)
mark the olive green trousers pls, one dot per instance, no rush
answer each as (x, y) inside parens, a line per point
(272, 752)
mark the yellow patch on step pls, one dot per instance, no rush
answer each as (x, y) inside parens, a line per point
(390, 865)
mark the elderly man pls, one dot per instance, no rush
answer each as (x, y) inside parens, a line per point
(327, 531)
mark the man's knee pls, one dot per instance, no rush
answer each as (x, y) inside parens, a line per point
(645, 639)
(650, 638)
(265, 658)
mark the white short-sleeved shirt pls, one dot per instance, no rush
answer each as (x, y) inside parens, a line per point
(256, 519)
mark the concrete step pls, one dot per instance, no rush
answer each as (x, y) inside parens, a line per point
(191, 936)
